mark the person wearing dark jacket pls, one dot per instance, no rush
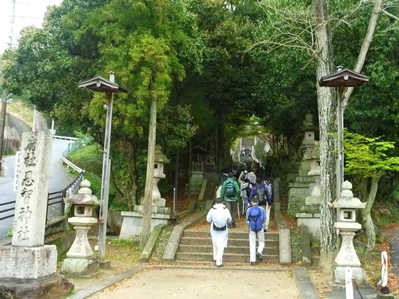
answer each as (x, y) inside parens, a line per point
(258, 191)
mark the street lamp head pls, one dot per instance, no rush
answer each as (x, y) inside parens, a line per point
(8, 98)
(343, 78)
(99, 84)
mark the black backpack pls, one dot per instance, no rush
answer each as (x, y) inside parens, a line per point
(247, 189)
(261, 196)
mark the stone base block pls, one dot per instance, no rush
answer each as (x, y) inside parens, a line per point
(197, 177)
(339, 275)
(312, 222)
(54, 286)
(161, 210)
(285, 256)
(27, 262)
(385, 296)
(132, 223)
(79, 267)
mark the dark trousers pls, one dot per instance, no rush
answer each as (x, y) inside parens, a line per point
(232, 207)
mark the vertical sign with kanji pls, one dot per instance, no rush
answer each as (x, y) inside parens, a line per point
(32, 190)
(17, 169)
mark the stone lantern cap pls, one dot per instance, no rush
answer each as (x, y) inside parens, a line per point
(84, 196)
(159, 156)
(346, 200)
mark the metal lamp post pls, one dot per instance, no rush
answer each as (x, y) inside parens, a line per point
(99, 84)
(342, 79)
(4, 102)
(345, 203)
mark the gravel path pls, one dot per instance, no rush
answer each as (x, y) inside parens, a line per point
(210, 283)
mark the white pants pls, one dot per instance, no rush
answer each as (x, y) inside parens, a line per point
(266, 207)
(267, 216)
(218, 254)
(253, 236)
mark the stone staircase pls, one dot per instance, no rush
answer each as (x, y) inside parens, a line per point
(196, 246)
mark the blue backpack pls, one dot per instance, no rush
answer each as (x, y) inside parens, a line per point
(255, 219)
(229, 189)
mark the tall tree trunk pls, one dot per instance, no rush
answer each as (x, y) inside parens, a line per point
(366, 213)
(327, 107)
(131, 165)
(220, 141)
(147, 201)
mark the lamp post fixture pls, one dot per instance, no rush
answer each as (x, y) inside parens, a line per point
(345, 203)
(342, 79)
(4, 101)
(99, 84)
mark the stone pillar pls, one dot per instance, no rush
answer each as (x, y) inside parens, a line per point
(28, 268)
(80, 257)
(299, 189)
(309, 214)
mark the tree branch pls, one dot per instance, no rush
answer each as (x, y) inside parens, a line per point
(365, 46)
(390, 15)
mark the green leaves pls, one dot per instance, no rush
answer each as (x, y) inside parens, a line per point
(369, 157)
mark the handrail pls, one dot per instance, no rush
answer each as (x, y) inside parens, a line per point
(65, 138)
(8, 210)
(7, 203)
(64, 193)
(70, 164)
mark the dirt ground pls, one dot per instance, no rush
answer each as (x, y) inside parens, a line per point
(211, 283)
(121, 257)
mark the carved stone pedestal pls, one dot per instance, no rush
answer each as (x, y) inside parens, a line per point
(133, 221)
(30, 272)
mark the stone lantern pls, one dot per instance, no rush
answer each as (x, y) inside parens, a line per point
(160, 160)
(80, 257)
(346, 223)
(160, 214)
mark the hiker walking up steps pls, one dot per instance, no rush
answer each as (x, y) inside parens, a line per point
(256, 216)
(219, 217)
(230, 193)
(269, 201)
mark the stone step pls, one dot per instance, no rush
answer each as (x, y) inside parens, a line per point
(196, 246)
(231, 242)
(232, 234)
(227, 257)
(230, 249)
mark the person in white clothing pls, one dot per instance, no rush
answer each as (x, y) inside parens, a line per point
(219, 217)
